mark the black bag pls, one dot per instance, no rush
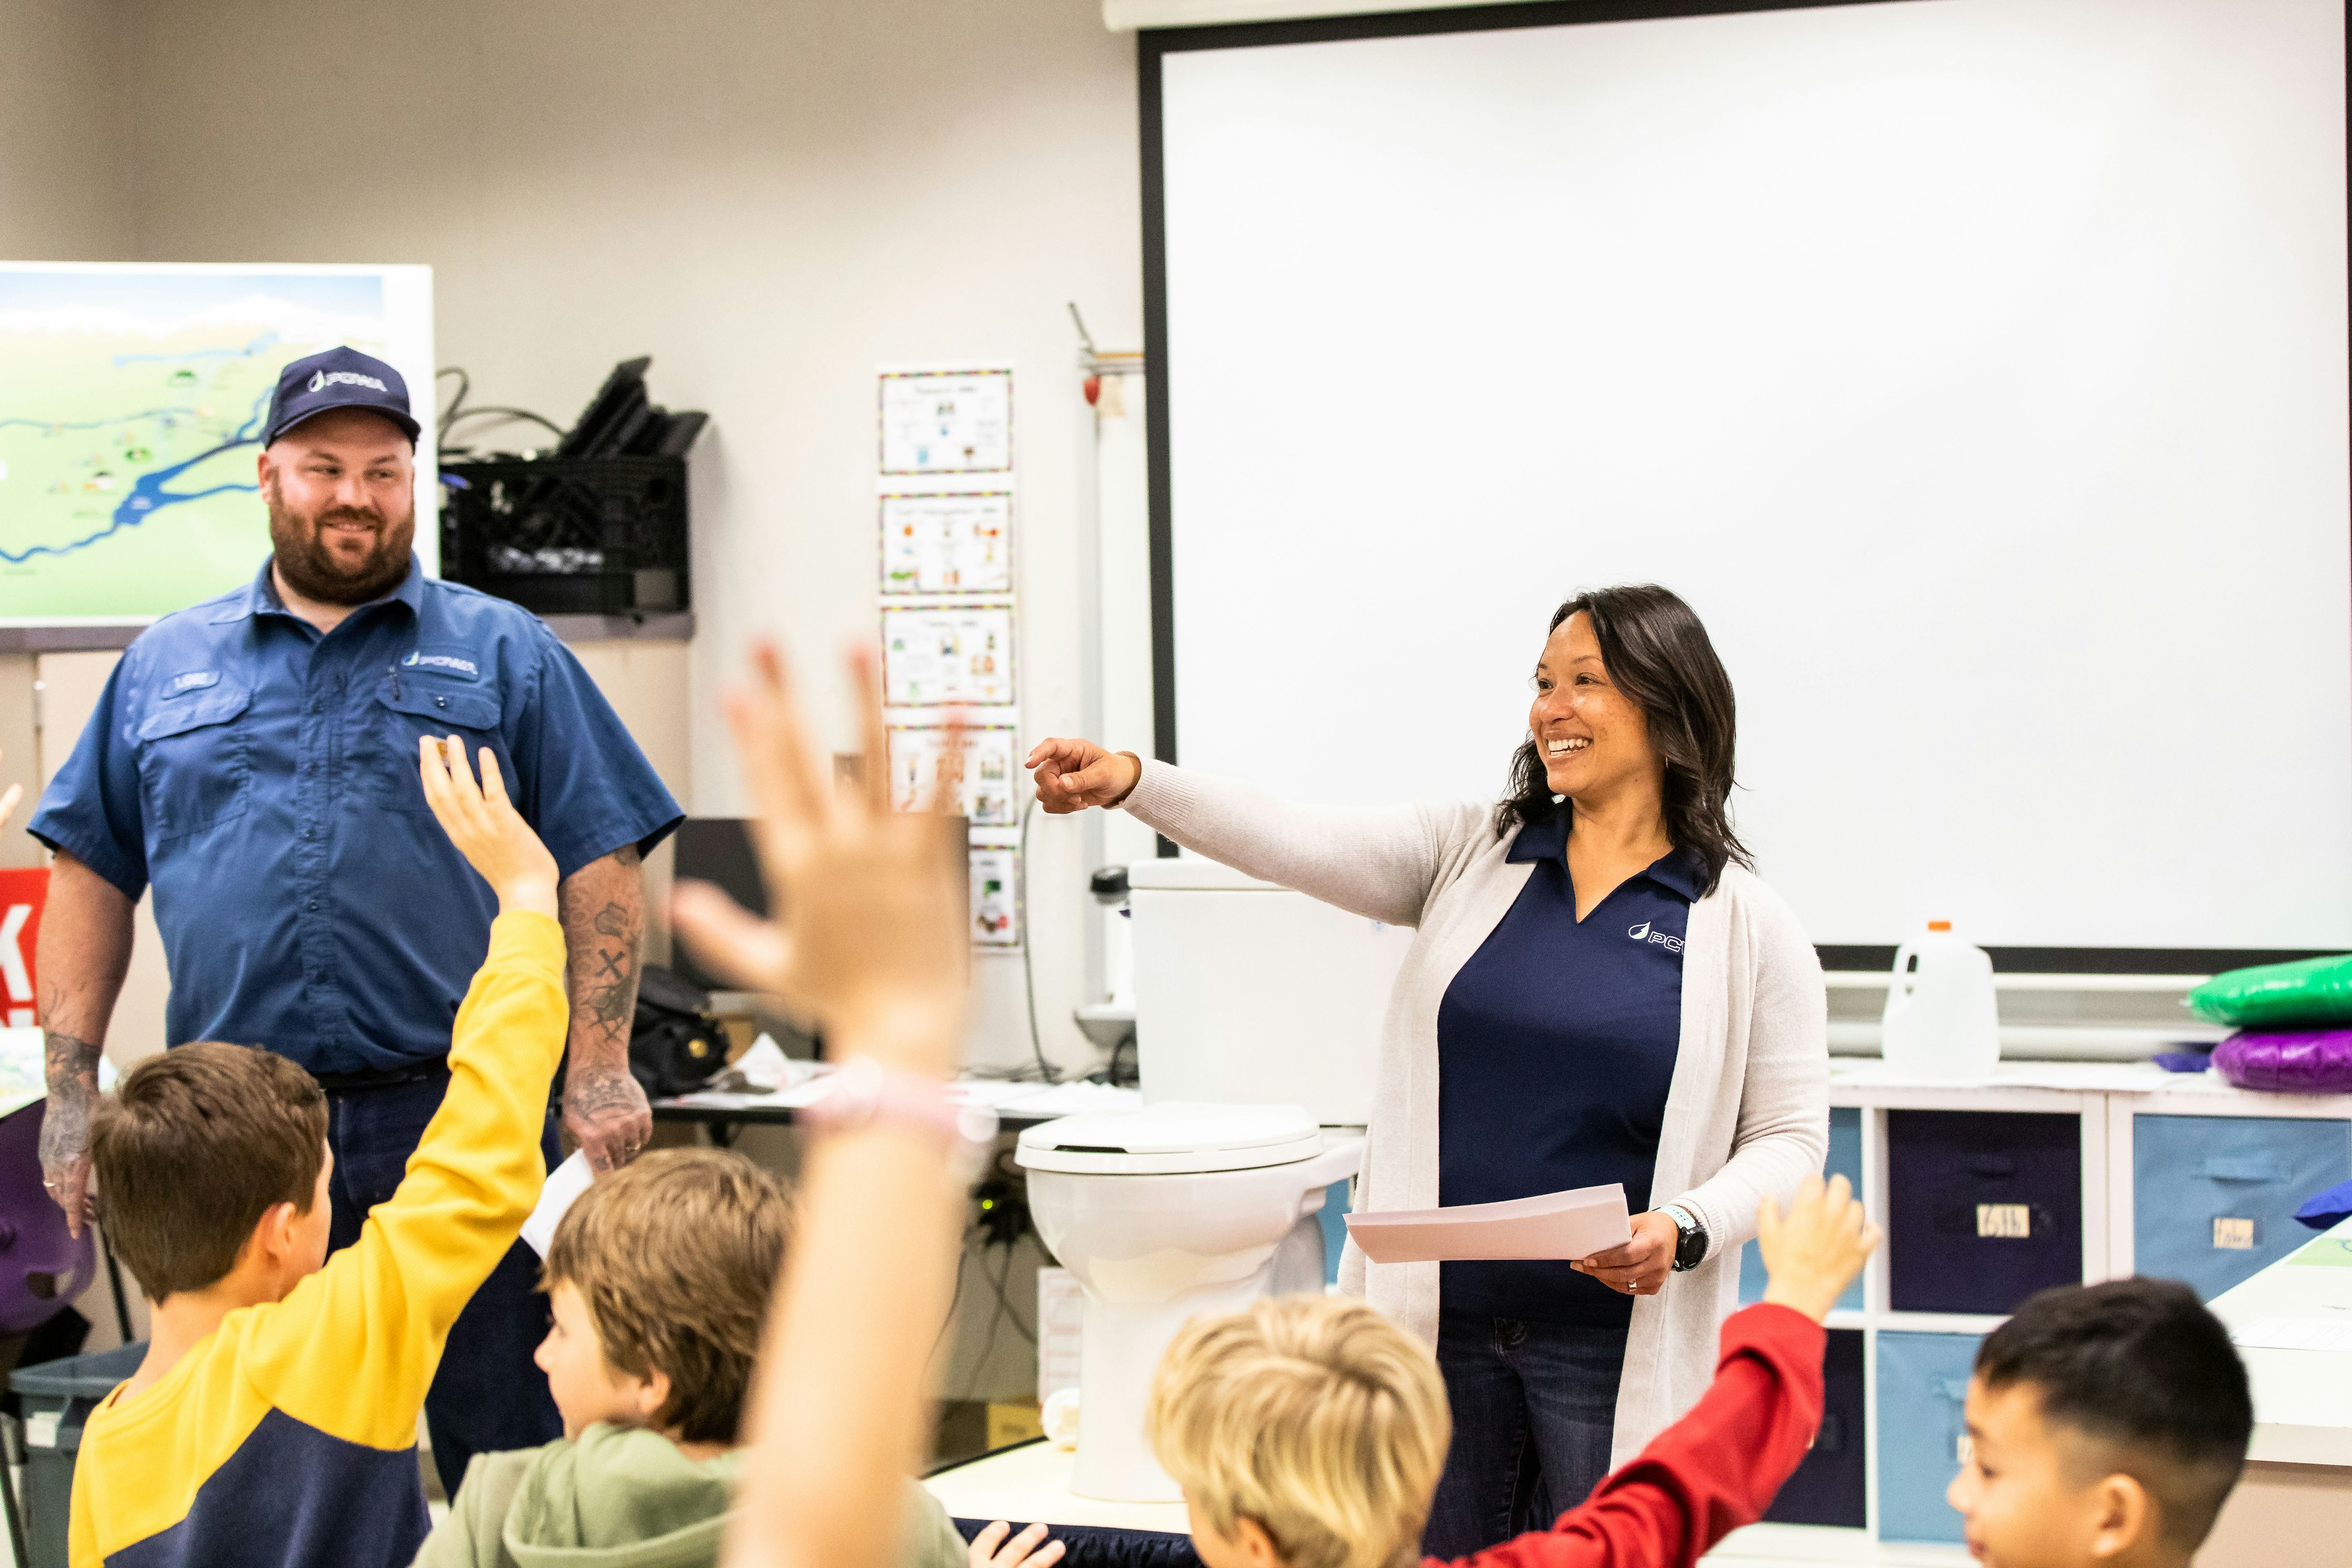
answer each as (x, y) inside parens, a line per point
(677, 1045)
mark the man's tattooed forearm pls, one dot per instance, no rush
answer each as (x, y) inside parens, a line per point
(68, 1060)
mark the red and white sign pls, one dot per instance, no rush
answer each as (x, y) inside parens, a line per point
(22, 893)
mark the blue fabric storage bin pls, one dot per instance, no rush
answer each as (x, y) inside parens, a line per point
(1845, 1160)
(2213, 1197)
(1985, 1207)
(1334, 1220)
(1832, 1486)
(1923, 1389)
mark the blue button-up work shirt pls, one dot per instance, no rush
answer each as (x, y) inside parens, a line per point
(1556, 1046)
(261, 776)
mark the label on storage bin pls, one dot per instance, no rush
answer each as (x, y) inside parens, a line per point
(2009, 1222)
(2233, 1234)
(41, 1429)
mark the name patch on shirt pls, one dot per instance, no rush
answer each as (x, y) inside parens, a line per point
(192, 680)
(443, 664)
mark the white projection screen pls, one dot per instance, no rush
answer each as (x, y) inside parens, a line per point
(1975, 368)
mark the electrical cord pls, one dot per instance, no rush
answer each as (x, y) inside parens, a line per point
(1028, 961)
(457, 409)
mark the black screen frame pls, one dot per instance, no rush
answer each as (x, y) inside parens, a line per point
(1153, 44)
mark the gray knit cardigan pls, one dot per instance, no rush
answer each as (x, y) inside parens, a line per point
(1748, 1113)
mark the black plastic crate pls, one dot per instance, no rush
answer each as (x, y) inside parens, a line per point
(564, 536)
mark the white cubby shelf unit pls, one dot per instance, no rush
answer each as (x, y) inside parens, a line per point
(2177, 1174)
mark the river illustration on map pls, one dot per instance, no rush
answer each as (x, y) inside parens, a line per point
(131, 402)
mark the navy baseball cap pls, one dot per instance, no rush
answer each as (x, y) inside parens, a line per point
(339, 378)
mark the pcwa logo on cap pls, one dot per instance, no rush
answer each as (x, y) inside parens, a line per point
(322, 379)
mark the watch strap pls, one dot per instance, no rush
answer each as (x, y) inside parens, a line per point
(1691, 1242)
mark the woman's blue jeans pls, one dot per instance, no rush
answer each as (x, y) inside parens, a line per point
(1535, 1406)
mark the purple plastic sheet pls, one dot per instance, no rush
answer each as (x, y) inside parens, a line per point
(2302, 1061)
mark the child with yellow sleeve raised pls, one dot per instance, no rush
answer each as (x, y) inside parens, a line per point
(274, 1419)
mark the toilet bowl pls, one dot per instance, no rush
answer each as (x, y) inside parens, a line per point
(1164, 1213)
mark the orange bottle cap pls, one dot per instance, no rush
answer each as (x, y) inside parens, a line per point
(1939, 925)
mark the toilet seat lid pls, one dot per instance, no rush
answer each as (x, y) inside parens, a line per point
(1172, 1139)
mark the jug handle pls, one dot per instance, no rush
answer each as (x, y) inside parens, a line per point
(1898, 989)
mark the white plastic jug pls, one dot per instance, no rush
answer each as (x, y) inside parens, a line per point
(1942, 1020)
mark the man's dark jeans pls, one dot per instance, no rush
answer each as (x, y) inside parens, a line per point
(1535, 1407)
(488, 1394)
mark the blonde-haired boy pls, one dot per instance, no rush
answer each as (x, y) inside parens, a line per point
(1309, 1431)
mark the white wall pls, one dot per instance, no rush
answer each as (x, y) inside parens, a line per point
(63, 182)
(771, 200)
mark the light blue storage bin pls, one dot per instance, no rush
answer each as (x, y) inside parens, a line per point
(2213, 1197)
(1845, 1160)
(1923, 1389)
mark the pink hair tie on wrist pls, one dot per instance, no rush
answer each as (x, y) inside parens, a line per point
(865, 1094)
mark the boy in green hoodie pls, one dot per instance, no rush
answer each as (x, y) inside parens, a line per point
(659, 1277)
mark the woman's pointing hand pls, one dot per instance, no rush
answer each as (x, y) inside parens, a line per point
(1072, 775)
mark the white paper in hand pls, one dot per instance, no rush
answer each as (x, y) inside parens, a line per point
(1574, 1224)
(564, 1186)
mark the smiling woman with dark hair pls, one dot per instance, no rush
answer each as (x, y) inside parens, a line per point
(1599, 990)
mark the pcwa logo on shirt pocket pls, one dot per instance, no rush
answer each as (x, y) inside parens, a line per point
(441, 663)
(192, 680)
(1644, 933)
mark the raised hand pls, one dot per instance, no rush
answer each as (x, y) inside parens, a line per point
(485, 826)
(1072, 775)
(873, 943)
(1816, 1252)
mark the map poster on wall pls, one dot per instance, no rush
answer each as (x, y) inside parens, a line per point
(960, 543)
(131, 399)
(946, 422)
(979, 776)
(995, 895)
(956, 654)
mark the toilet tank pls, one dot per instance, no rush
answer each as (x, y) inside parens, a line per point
(1247, 991)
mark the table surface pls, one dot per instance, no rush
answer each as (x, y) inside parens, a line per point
(2302, 1399)
(1031, 1483)
(1017, 1104)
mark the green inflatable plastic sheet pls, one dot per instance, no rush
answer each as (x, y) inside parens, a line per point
(2311, 993)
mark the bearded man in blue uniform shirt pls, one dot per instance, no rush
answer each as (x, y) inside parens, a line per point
(253, 762)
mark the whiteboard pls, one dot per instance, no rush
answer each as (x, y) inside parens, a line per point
(1975, 368)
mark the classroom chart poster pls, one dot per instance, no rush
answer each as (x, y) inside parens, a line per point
(957, 543)
(948, 655)
(995, 895)
(978, 776)
(946, 422)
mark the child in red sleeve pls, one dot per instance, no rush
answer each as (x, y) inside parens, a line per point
(1308, 1431)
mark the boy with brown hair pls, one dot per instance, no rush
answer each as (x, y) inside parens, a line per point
(2107, 1426)
(274, 1417)
(659, 1277)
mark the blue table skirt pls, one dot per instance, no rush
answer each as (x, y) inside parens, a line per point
(1089, 1546)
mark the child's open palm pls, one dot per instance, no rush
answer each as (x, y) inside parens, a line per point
(872, 942)
(485, 826)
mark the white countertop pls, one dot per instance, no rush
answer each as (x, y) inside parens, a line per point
(1031, 1483)
(2302, 1399)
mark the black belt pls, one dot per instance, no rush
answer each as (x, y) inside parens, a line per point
(380, 1077)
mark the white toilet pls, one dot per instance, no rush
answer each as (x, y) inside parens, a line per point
(1257, 1021)
(1163, 1213)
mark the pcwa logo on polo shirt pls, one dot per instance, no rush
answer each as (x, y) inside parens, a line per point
(323, 379)
(439, 661)
(1644, 933)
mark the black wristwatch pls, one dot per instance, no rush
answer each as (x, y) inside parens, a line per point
(1690, 1246)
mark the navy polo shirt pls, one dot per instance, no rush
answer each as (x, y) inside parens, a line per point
(1556, 1046)
(261, 777)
